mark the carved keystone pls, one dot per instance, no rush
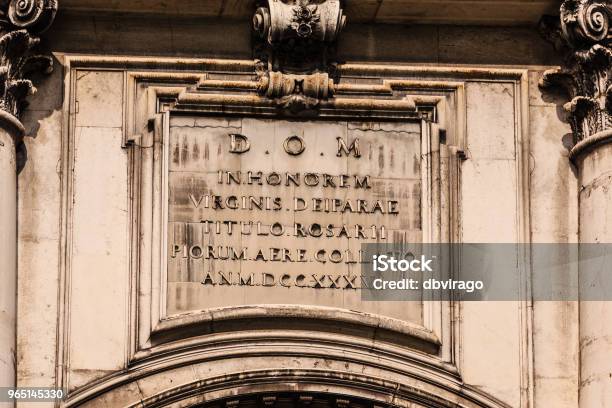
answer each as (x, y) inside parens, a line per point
(286, 20)
(294, 47)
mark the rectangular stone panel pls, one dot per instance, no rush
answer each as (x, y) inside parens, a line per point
(267, 211)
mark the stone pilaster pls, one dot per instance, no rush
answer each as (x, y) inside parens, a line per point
(583, 34)
(20, 21)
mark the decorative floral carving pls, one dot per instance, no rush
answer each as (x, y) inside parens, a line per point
(305, 20)
(282, 21)
(20, 20)
(583, 34)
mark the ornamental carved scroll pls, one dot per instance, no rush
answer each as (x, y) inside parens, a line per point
(582, 33)
(296, 93)
(295, 47)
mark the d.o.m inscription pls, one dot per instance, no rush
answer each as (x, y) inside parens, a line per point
(283, 207)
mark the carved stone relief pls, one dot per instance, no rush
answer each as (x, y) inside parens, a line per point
(20, 22)
(188, 115)
(583, 34)
(294, 50)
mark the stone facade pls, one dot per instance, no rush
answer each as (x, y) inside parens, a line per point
(183, 201)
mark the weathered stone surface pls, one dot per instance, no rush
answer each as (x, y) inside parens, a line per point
(501, 12)
(554, 215)
(102, 316)
(379, 164)
(198, 146)
(197, 37)
(19, 25)
(8, 258)
(491, 121)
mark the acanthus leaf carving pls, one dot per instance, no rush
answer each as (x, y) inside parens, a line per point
(20, 23)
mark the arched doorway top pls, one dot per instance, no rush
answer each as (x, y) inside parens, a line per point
(285, 388)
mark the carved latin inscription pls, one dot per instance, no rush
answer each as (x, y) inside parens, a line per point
(284, 206)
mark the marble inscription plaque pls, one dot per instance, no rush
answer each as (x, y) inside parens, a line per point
(275, 212)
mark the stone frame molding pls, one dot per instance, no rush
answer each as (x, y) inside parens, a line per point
(212, 96)
(434, 96)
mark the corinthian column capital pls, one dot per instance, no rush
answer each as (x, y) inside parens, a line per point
(582, 33)
(20, 23)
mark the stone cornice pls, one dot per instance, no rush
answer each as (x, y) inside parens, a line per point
(582, 33)
(462, 12)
